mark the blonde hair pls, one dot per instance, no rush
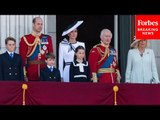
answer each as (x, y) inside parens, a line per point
(136, 44)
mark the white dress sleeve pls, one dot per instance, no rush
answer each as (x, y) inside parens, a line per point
(129, 67)
(154, 68)
(61, 59)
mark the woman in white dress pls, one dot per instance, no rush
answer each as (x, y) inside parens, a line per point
(67, 49)
(141, 64)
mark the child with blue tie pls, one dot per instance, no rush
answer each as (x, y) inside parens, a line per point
(50, 73)
(11, 67)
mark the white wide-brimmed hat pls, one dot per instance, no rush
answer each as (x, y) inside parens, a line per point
(72, 27)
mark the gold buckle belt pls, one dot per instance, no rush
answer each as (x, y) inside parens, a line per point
(36, 62)
(106, 70)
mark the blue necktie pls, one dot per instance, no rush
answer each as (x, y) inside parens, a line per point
(51, 69)
(11, 54)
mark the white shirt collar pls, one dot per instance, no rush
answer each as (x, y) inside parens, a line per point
(50, 66)
(10, 52)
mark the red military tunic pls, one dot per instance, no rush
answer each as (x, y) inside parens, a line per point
(103, 64)
(32, 46)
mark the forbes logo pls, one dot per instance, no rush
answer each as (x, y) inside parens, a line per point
(147, 23)
(147, 27)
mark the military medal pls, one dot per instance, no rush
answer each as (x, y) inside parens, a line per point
(44, 47)
(111, 52)
(42, 52)
(114, 64)
(44, 40)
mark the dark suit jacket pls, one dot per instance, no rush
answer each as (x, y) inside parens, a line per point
(47, 75)
(11, 68)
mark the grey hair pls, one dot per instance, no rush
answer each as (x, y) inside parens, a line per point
(105, 30)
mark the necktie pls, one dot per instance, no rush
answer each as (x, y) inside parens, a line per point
(51, 69)
(11, 54)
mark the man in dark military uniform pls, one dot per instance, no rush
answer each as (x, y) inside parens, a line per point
(103, 60)
(11, 67)
(33, 48)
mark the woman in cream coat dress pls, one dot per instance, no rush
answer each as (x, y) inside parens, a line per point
(141, 65)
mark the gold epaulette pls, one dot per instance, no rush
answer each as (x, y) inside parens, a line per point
(25, 40)
(96, 45)
(34, 45)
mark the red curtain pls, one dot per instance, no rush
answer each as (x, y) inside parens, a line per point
(49, 93)
(52, 93)
(10, 93)
(138, 94)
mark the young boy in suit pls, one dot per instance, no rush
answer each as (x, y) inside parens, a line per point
(11, 63)
(50, 73)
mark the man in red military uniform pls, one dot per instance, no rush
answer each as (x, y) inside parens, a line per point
(103, 61)
(33, 48)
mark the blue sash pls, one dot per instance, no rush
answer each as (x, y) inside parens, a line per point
(44, 40)
(107, 63)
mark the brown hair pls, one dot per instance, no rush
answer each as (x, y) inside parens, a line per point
(76, 50)
(50, 55)
(10, 39)
(34, 19)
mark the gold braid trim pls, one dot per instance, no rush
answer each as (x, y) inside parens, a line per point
(25, 40)
(37, 37)
(103, 54)
(36, 41)
(96, 45)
